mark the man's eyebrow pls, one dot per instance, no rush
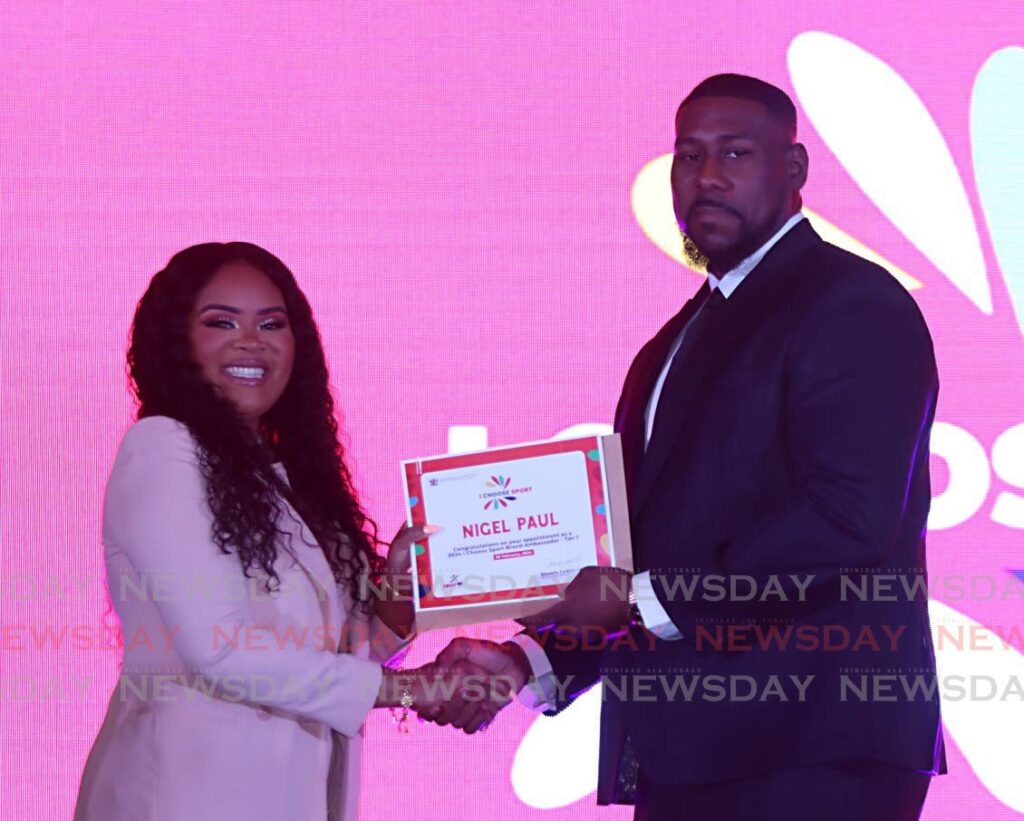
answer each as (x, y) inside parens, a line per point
(739, 135)
(716, 138)
(214, 306)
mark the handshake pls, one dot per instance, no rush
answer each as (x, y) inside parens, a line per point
(472, 680)
(466, 686)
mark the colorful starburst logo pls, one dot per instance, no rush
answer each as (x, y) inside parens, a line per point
(499, 499)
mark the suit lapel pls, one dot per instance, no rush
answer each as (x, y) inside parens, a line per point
(307, 552)
(761, 294)
(630, 420)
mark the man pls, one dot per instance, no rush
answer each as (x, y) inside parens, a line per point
(775, 435)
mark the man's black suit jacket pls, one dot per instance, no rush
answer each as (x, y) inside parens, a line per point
(795, 443)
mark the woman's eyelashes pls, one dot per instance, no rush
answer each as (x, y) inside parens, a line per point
(224, 322)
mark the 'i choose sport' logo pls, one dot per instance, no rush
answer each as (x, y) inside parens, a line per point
(502, 494)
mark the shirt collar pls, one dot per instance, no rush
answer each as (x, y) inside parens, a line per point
(730, 280)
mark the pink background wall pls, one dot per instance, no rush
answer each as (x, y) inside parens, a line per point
(452, 188)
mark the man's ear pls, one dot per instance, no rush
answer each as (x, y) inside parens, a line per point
(796, 165)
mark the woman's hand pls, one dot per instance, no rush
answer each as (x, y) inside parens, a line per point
(394, 604)
(461, 694)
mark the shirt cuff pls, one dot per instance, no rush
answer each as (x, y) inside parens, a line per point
(654, 617)
(539, 694)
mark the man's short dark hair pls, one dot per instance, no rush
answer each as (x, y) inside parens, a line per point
(774, 99)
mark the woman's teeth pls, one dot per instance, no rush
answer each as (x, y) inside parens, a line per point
(246, 373)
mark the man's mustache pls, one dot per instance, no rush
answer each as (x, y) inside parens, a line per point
(710, 203)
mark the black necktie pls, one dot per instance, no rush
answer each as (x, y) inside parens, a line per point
(709, 311)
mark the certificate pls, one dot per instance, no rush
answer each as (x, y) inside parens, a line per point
(518, 524)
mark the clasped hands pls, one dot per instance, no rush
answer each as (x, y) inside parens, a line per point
(465, 687)
(473, 679)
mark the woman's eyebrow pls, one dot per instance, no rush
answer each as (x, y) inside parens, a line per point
(214, 306)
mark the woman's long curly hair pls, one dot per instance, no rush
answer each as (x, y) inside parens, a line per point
(300, 431)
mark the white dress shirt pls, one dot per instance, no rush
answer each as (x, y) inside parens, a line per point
(540, 693)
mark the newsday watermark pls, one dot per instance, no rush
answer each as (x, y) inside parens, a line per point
(673, 584)
(859, 687)
(720, 637)
(851, 686)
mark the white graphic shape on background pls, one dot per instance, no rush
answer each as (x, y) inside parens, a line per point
(988, 730)
(584, 429)
(969, 476)
(556, 763)
(883, 135)
(1008, 464)
(997, 122)
(467, 438)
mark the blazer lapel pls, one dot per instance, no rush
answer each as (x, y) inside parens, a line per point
(307, 552)
(763, 292)
(630, 420)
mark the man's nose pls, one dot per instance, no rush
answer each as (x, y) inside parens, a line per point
(709, 175)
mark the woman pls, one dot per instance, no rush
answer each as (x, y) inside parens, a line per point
(238, 560)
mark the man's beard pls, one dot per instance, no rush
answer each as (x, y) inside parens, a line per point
(693, 256)
(726, 259)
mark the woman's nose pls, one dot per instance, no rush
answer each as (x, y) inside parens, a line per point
(249, 339)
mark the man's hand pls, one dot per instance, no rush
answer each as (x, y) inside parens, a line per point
(597, 597)
(460, 692)
(506, 661)
(490, 675)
